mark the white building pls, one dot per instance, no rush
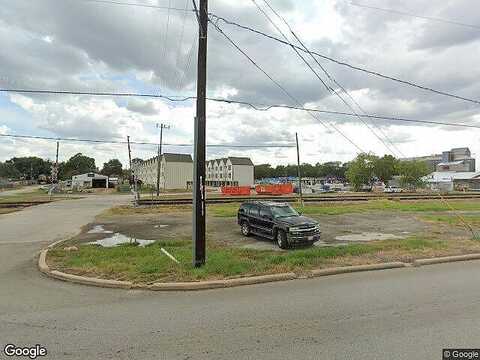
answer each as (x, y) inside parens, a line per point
(90, 180)
(450, 180)
(176, 171)
(235, 171)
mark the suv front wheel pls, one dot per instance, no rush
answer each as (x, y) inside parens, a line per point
(281, 239)
(245, 228)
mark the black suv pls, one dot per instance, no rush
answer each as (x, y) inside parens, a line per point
(279, 222)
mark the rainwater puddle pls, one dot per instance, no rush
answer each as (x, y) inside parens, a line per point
(118, 239)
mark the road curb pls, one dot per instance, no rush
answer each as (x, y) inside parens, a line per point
(356, 268)
(251, 280)
(446, 259)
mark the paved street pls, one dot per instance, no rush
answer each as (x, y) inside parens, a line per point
(394, 314)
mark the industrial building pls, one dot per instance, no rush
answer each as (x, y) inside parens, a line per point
(457, 159)
(234, 171)
(176, 171)
(451, 180)
(89, 181)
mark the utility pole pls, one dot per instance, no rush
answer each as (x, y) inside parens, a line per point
(299, 173)
(132, 172)
(199, 208)
(55, 169)
(162, 126)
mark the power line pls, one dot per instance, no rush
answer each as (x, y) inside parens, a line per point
(343, 63)
(258, 107)
(121, 3)
(281, 87)
(403, 13)
(99, 141)
(331, 78)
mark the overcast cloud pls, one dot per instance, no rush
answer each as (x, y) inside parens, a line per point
(83, 45)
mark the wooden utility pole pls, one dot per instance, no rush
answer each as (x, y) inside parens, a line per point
(162, 126)
(199, 208)
(299, 172)
(55, 167)
(132, 172)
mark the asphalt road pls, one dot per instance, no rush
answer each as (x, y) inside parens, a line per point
(393, 314)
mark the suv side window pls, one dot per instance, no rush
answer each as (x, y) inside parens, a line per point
(265, 212)
(244, 209)
(253, 211)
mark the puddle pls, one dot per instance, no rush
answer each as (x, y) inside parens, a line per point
(118, 239)
(99, 229)
(367, 236)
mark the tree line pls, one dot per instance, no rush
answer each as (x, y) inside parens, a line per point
(364, 170)
(30, 168)
(333, 169)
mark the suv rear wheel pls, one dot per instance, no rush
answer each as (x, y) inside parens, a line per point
(281, 239)
(245, 228)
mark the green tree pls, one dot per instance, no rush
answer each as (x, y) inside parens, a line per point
(412, 172)
(8, 171)
(361, 170)
(112, 167)
(263, 171)
(30, 167)
(76, 165)
(385, 168)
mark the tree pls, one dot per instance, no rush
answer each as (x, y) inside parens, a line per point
(361, 170)
(76, 165)
(112, 167)
(385, 168)
(8, 171)
(263, 171)
(30, 167)
(412, 172)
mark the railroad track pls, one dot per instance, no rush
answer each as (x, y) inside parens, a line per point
(308, 199)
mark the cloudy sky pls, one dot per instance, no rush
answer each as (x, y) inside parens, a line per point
(83, 45)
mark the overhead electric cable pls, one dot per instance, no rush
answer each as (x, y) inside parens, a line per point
(404, 13)
(99, 141)
(282, 88)
(121, 3)
(258, 107)
(343, 63)
(329, 88)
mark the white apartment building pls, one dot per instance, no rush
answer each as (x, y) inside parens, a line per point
(234, 171)
(176, 171)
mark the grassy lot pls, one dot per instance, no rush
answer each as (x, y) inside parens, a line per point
(36, 195)
(229, 210)
(149, 264)
(471, 219)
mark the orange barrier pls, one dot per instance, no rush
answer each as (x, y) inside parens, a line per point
(235, 190)
(274, 189)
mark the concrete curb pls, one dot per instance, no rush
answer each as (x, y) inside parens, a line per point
(446, 259)
(356, 268)
(215, 284)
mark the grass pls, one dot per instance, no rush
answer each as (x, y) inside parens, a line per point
(230, 210)
(453, 220)
(36, 195)
(148, 264)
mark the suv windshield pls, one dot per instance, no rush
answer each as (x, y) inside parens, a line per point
(283, 211)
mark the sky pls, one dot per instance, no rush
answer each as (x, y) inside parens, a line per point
(84, 45)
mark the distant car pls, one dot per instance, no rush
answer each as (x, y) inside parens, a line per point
(393, 189)
(278, 222)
